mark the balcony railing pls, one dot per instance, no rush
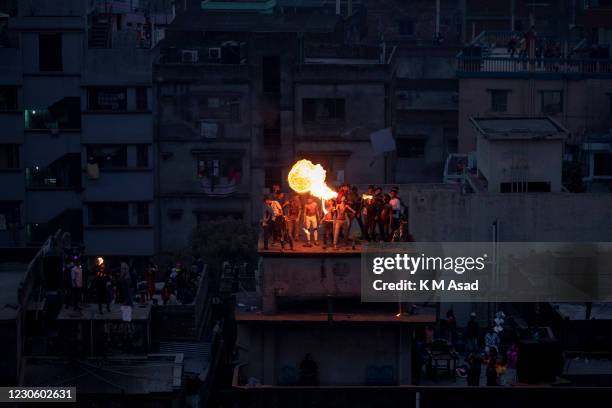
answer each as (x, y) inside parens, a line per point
(488, 54)
(481, 66)
(219, 188)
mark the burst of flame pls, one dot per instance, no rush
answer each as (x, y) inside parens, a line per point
(306, 177)
(367, 196)
(100, 261)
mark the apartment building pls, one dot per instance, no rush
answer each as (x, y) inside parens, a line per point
(243, 95)
(573, 87)
(76, 100)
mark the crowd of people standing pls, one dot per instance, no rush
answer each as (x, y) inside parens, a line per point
(379, 217)
(126, 282)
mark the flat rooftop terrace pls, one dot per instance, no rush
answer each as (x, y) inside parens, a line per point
(300, 248)
(90, 312)
(259, 317)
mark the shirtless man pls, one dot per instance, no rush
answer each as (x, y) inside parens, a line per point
(312, 213)
(342, 220)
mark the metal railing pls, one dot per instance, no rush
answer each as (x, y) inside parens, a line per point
(502, 65)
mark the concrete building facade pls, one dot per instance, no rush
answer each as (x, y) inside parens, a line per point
(77, 103)
(239, 104)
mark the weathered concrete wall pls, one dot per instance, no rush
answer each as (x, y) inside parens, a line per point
(586, 104)
(342, 352)
(506, 161)
(309, 276)
(437, 215)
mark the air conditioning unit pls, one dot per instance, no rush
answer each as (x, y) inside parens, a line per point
(189, 56)
(208, 130)
(214, 53)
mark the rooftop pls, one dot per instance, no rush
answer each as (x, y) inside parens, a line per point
(488, 56)
(577, 311)
(254, 22)
(300, 248)
(153, 373)
(90, 312)
(519, 128)
(259, 317)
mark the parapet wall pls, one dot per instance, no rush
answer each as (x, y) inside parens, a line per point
(446, 215)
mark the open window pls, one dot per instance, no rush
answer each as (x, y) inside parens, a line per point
(10, 214)
(219, 107)
(108, 156)
(8, 98)
(107, 99)
(9, 156)
(323, 110)
(50, 52)
(219, 175)
(63, 173)
(63, 114)
(109, 214)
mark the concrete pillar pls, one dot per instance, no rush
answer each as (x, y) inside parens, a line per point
(437, 18)
(404, 360)
(269, 355)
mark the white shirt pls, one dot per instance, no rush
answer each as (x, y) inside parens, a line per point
(76, 274)
(396, 206)
(277, 210)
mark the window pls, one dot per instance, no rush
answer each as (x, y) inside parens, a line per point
(410, 148)
(64, 114)
(108, 156)
(142, 156)
(552, 101)
(272, 175)
(9, 156)
(271, 135)
(108, 214)
(8, 98)
(499, 101)
(334, 164)
(219, 108)
(142, 100)
(142, 213)
(270, 74)
(50, 52)
(9, 214)
(602, 164)
(406, 27)
(64, 172)
(112, 99)
(220, 171)
(322, 110)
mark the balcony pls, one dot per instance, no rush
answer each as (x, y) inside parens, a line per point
(129, 184)
(346, 64)
(62, 174)
(487, 56)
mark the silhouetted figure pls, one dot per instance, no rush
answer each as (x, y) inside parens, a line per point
(309, 371)
(474, 370)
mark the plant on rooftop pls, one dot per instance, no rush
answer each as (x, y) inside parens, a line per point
(225, 239)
